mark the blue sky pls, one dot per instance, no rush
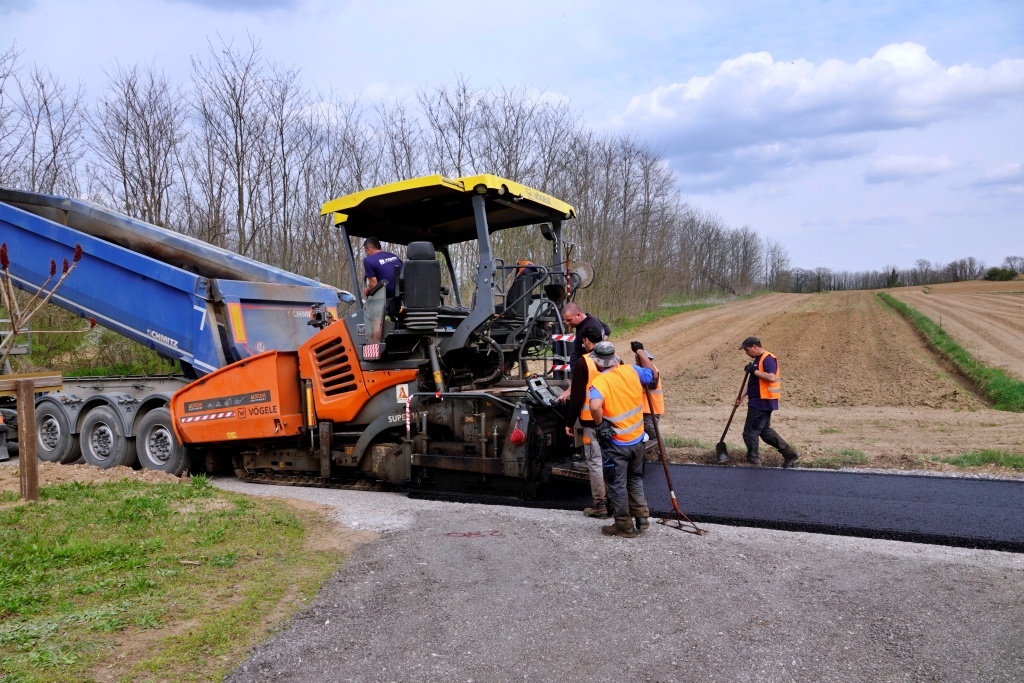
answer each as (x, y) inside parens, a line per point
(858, 134)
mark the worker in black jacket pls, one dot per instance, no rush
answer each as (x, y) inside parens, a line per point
(573, 316)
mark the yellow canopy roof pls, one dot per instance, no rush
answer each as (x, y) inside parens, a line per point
(440, 210)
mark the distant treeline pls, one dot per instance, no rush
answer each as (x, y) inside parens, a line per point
(243, 156)
(924, 272)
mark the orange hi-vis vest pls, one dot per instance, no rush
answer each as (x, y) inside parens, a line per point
(658, 397)
(769, 390)
(592, 372)
(623, 402)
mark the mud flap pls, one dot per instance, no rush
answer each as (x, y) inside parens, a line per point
(326, 437)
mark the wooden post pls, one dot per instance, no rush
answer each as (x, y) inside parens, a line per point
(28, 463)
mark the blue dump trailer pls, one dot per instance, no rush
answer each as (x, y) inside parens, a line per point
(199, 305)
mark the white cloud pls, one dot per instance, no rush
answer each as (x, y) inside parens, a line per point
(753, 103)
(1004, 174)
(893, 167)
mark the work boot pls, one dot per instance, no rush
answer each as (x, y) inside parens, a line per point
(789, 458)
(600, 509)
(620, 529)
(753, 459)
(643, 524)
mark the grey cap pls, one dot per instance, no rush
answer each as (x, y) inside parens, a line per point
(750, 341)
(604, 355)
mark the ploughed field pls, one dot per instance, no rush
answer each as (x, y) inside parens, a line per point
(858, 384)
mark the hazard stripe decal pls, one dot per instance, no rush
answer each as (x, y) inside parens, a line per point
(208, 416)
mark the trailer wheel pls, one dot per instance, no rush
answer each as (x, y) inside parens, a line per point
(156, 445)
(103, 441)
(55, 441)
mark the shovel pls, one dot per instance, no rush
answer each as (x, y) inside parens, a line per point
(723, 452)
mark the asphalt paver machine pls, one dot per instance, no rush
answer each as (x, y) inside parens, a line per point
(427, 391)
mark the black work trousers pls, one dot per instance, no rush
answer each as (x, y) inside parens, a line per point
(759, 426)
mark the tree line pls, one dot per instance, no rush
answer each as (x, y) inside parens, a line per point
(924, 272)
(244, 155)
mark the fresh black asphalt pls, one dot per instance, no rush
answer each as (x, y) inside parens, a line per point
(956, 511)
(941, 510)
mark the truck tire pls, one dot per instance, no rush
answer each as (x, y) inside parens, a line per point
(103, 441)
(156, 445)
(54, 440)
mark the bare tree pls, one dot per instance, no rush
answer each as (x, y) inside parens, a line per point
(137, 129)
(401, 141)
(228, 91)
(1014, 263)
(776, 266)
(452, 116)
(50, 133)
(9, 143)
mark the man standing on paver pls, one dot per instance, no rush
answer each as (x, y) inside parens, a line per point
(617, 405)
(573, 316)
(763, 390)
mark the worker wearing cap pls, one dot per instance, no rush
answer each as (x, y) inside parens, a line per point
(763, 392)
(617, 404)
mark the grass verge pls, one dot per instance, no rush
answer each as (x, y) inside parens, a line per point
(847, 457)
(141, 581)
(1001, 390)
(623, 325)
(986, 457)
(686, 442)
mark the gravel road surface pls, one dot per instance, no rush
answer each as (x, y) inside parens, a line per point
(456, 592)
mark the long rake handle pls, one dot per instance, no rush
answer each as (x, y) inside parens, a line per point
(734, 407)
(680, 515)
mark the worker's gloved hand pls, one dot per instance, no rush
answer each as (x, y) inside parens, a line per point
(749, 368)
(635, 346)
(605, 431)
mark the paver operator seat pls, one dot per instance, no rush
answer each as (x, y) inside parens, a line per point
(420, 288)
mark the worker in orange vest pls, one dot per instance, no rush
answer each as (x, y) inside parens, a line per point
(764, 390)
(578, 408)
(617, 404)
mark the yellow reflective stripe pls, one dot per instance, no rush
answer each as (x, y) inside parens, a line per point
(620, 418)
(631, 426)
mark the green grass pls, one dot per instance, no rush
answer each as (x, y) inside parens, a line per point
(189, 570)
(828, 430)
(986, 457)
(623, 325)
(682, 442)
(1001, 390)
(847, 457)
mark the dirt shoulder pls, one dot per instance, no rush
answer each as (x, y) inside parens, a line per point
(986, 318)
(855, 376)
(52, 473)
